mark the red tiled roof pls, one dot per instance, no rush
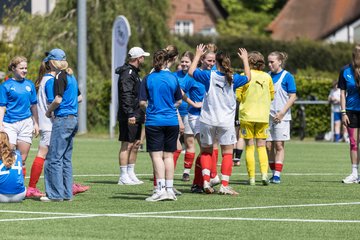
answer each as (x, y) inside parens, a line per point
(313, 19)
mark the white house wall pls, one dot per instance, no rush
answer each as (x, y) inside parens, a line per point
(344, 34)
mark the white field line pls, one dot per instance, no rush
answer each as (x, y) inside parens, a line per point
(153, 214)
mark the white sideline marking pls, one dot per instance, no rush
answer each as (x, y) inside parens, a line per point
(151, 214)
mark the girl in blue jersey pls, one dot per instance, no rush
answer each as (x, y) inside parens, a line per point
(18, 111)
(160, 94)
(12, 187)
(218, 113)
(280, 115)
(349, 84)
(58, 164)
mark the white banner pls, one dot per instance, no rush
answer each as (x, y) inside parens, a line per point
(120, 38)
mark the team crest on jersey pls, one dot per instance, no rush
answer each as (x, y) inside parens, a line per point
(28, 88)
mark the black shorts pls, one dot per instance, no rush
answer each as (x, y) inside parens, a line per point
(354, 118)
(129, 133)
(237, 121)
(161, 138)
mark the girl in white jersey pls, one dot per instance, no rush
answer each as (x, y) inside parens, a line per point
(280, 115)
(218, 113)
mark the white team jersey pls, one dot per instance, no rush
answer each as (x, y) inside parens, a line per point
(45, 123)
(219, 103)
(335, 93)
(280, 99)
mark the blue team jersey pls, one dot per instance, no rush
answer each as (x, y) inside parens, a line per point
(288, 83)
(347, 83)
(203, 76)
(69, 104)
(183, 82)
(12, 179)
(161, 90)
(49, 89)
(196, 94)
(17, 97)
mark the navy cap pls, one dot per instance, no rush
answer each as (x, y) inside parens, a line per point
(55, 54)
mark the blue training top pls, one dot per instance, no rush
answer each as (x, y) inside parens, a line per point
(161, 90)
(347, 83)
(17, 97)
(66, 86)
(12, 179)
(183, 82)
(288, 82)
(197, 93)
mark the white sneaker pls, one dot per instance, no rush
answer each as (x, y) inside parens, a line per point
(208, 188)
(350, 179)
(135, 179)
(171, 194)
(125, 180)
(227, 190)
(215, 181)
(158, 196)
(252, 182)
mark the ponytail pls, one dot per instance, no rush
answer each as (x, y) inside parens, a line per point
(225, 66)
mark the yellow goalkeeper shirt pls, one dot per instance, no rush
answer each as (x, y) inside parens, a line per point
(255, 97)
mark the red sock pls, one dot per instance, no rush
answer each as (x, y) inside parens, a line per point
(272, 166)
(36, 170)
(176, 156)
(24, 171)
(278, 167)
(189, 160)
(206, 161)
(226, 168)
(198, 179)
(155, 183)
(213, 170)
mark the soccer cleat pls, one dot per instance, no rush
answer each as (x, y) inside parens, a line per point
(34, 193)
(158, 196)
(276, 180)
(177, 192)
(78, 188)
(265, 180)
(46, 199)
(135, 180)
(171, 194)
(196, 189)
(125, 180)
(185, 177)
(208, 188)
(350, 179)
(252, 181)
(227, 190)
(214, 181)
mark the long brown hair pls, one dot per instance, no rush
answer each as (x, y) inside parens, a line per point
(7, 153)
(160, 59)
(44, 67)
(225, 66)
(356, 65)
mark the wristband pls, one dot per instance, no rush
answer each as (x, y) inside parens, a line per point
(343, 111)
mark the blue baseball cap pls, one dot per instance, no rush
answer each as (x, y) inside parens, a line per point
(55, 54)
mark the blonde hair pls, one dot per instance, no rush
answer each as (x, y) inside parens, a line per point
(15, 61)
(7, 153)
(282, 56)
(62, 65)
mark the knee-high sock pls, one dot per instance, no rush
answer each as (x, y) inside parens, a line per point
(198, 179)
(189, 160)
(263, 159)
(36, 170)
(250, 160)
(213, 170)
(176, 156)
(206, 161)
(226, 168)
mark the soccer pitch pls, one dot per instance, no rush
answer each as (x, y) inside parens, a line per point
(310, 203)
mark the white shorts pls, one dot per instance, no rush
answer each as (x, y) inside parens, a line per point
(20, 131)
(188, 129)
(224, 135)
(12, 198)
(278, 131)
(45, 138)
(194, 122)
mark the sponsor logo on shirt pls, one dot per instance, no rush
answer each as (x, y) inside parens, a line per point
(28, 88)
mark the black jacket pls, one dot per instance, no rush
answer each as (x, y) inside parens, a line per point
(128, 93)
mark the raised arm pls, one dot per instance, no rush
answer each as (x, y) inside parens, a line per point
(199, 52)
(243, 55)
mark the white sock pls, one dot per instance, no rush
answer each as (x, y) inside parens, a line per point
(187, 170)
(169, 183)
(355, 170)
(160, 184)
(130, 169)
(277, 173)
(123, 170)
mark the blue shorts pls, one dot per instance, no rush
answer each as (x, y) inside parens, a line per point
(161, 138)
(337, 116)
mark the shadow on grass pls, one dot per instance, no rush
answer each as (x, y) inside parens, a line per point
(103, 182)
(131, 196)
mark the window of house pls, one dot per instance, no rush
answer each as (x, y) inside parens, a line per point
(185, 27)
(357, 34)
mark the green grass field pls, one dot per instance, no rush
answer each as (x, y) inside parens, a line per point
(310, 203)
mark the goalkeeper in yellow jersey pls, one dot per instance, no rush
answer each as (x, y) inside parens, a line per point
(255, 98)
